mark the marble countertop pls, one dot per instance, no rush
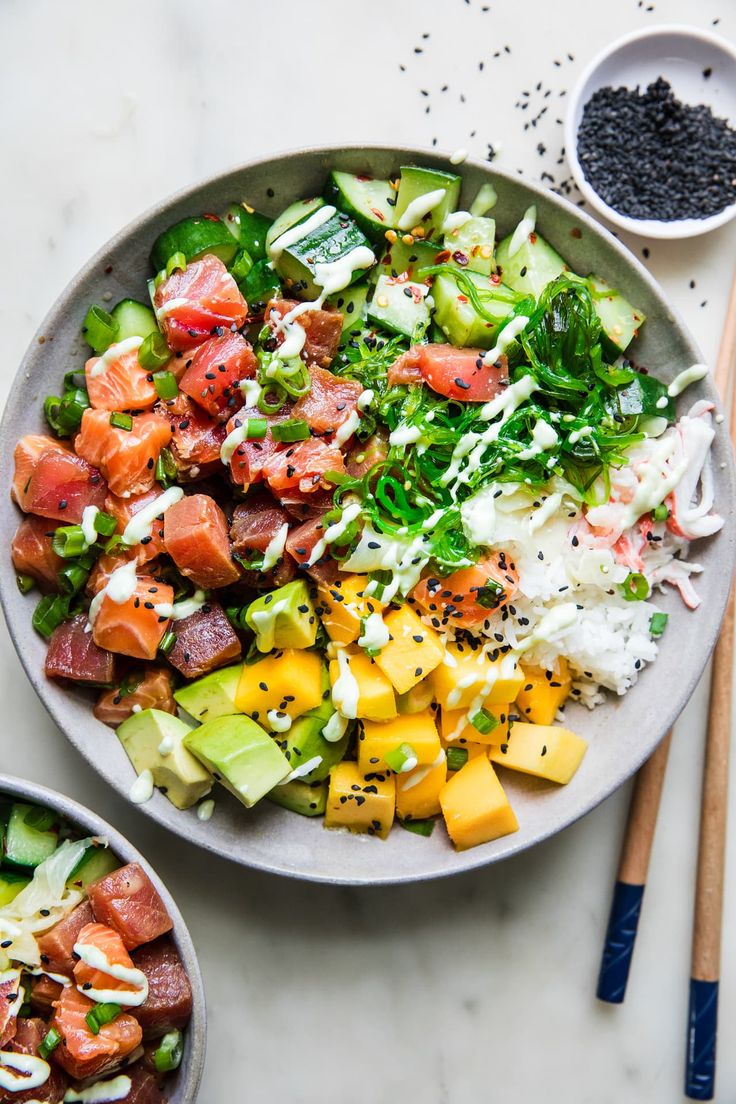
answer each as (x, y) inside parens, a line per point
(473, 987)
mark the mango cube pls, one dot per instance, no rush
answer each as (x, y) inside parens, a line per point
(343, 604)
(412, 652)
(475, 807)
(543, 692)
(542, 750)
(456, 729)
(376, 698)
(417, 729)
(465, 674)
(418, 792)
(289, 682)
(358, 803)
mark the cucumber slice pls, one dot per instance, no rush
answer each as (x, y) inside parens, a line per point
(325, 244)
(457, 317)
(410, 258)
(372, 203)
(534, 265)
(417, 183)
(10, 885)
(307, 798)
(402, 308)
(619, 319)
(26, 846)
(249, 228)
(352, 302)
(260, 285)
(476, 240)
(293, 214)
(134, 319)
(95, 863)
(194, 237)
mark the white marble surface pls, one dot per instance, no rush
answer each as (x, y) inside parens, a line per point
(475, 988)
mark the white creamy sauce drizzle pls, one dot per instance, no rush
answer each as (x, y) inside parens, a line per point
(251, 389)
(115, 351)
(335, 728)
(365, 398)
(345, 692)
(139, 793)
(275, 548)
(420, 207)
(348, 428)
(577, 434)
(375, 632)
(89, 513)
(234, 439)
(334, 532)
(486, 198)
(458, 156)
(507, 336)
(205, 809)
(119, 588)
(95, 958)
(523, 230)
(505, 669)
(404, 559)
(102, 1092)
(405, 435)
(544, 438)
(166, 746)
(279, 722)
(34, 1071)
(177, 611)
(265, 624)
(455, 221)
(334, 276)
(420, 774)
(302, 770)
(140, 524)
(295, 233)
(684, 379)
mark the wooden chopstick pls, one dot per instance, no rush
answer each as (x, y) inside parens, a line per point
(644, 809)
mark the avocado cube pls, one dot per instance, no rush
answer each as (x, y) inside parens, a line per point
(154, 740)
(240, 755)
(299, 796)
(212, 695)
(283, 618)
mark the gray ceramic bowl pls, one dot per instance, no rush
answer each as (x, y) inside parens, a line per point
(622, 733)
(183, 1085)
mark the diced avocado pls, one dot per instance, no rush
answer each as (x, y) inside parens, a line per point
(212, 695)
(31, 836)
(240, 754)
(249, 229)
(534, 265)
(417, 183)
(457, 317)
(294, 214)
(329, 243)
(475, 239)
(413, 258)
(304, 741)
(194, 237)
(307, 798)
(95, 863)
(402, 308)
(372, 203)
(154, 740)
(619, 319)
(352, 303)
(134, 319)
(284, 618)
(11, 883)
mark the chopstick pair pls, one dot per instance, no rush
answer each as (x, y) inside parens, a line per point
(700, 1065)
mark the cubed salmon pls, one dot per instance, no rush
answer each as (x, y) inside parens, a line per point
(128, 901)
(215, 371)
(82, 1053)
(34, 555)
(117, 381)
(126, 457)
(196, 538)
(136, 627)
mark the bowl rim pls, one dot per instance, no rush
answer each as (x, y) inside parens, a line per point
(53, 697)
(92, 823)
(677, 229)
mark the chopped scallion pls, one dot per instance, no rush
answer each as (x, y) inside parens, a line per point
(100, 329)
(658, 623)
(165, 467)
(105, 524)
(484, 722)
(25, 583)
(661, 512)
(154, 353)
(257, 427)
(168, 640)
(293, 429)
(402, 758)
(50, 612)
(489, 594)
(100, 1015)
(73, 577)
(121, 421)
(68, 541)
(64, 414)
(168, 1054)
(242, 265)
(177, 260)
(418, 827)
(166, 385)
(457, 757)
(635, 587)
(49, 1043)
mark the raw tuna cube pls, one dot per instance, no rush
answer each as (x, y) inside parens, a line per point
(128, 901)
(26, 455)
(56, 945)
(302, 467)
(44, 992)
(196, 440)
(33, 554)
(329, 402)
(74, 654)
(169, 1001)
(61, 485)
(204, 641)
(8, 1019)
(323, 329)
(255, 524)
(196, 536)
(144, 1088)
(193, 303)
(215, 371)
(29, 1036)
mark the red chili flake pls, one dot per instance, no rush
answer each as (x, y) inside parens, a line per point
(379, 214)
(459, 258)
(495, 278)
(533, 238)
(442, 257)
(576, 232)
(212, 218)
(462, 298)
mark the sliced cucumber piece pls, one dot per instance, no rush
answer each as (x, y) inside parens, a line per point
(534, 265)
(372, 203)
(134, 319)
(194, 237)
(415, 186)
(352, 302)
(475, 239)
(619, 319)
(249, 228)
(327, 243)
(260, 285)
(307, 798)
(401, 257)
(25, 844)
(293, 215)
(11, 883)
(457, 317)
(95, 863)
(401, 306)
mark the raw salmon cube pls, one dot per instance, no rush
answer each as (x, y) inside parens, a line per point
(123, 384)
(83, 1054)
(128, 901)
(196, 537)
(134, 628)
(126, 457)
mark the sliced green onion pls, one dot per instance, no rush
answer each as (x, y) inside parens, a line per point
(177, 260)
(484, 722)
(49, 1043)
(105, 524)
(401, 758)
(64, 414)
(73, 577)
(168, 640)
(293, 429)
(257, 427)
(272, 398)
(100, 1015)
(49, 613)
(456, 758)
(39, 818)
(336, 477)
(121, 421)
(418, 827)
(242, 265)
(158, 279)
(154, 353)
(635, 587)
(168, 1054)
(69, 541)
(25, 583)
(658, 623)
(236, 614)
(165, 468)
(489, 594)
(661, 512)
(100, 329)
(166, 385)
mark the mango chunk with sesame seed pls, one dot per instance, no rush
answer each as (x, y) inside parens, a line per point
(417, 729)
(359, 803)
(546, 751)
(288, 682)
(475, 806)
(543, 692)
(465, 674)
(418, 791)
(412, 652)
(455, 726)
(342, 606)
(376, 698)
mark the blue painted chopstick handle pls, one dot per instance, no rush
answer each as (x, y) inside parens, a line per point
(623, 922)
(702, 1028)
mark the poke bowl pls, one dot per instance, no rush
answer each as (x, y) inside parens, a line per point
(363, 486)
(100, 992)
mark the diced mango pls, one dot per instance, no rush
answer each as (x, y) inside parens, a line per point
(543, 750)
(465, 674)
(412, 652)
(419, 698)
(455, 726)
(475, 806)
(360, 804)
(418, 792)
(289, 682)
(417, 729)
(376, 698)
(543, 692)
(343, 604)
